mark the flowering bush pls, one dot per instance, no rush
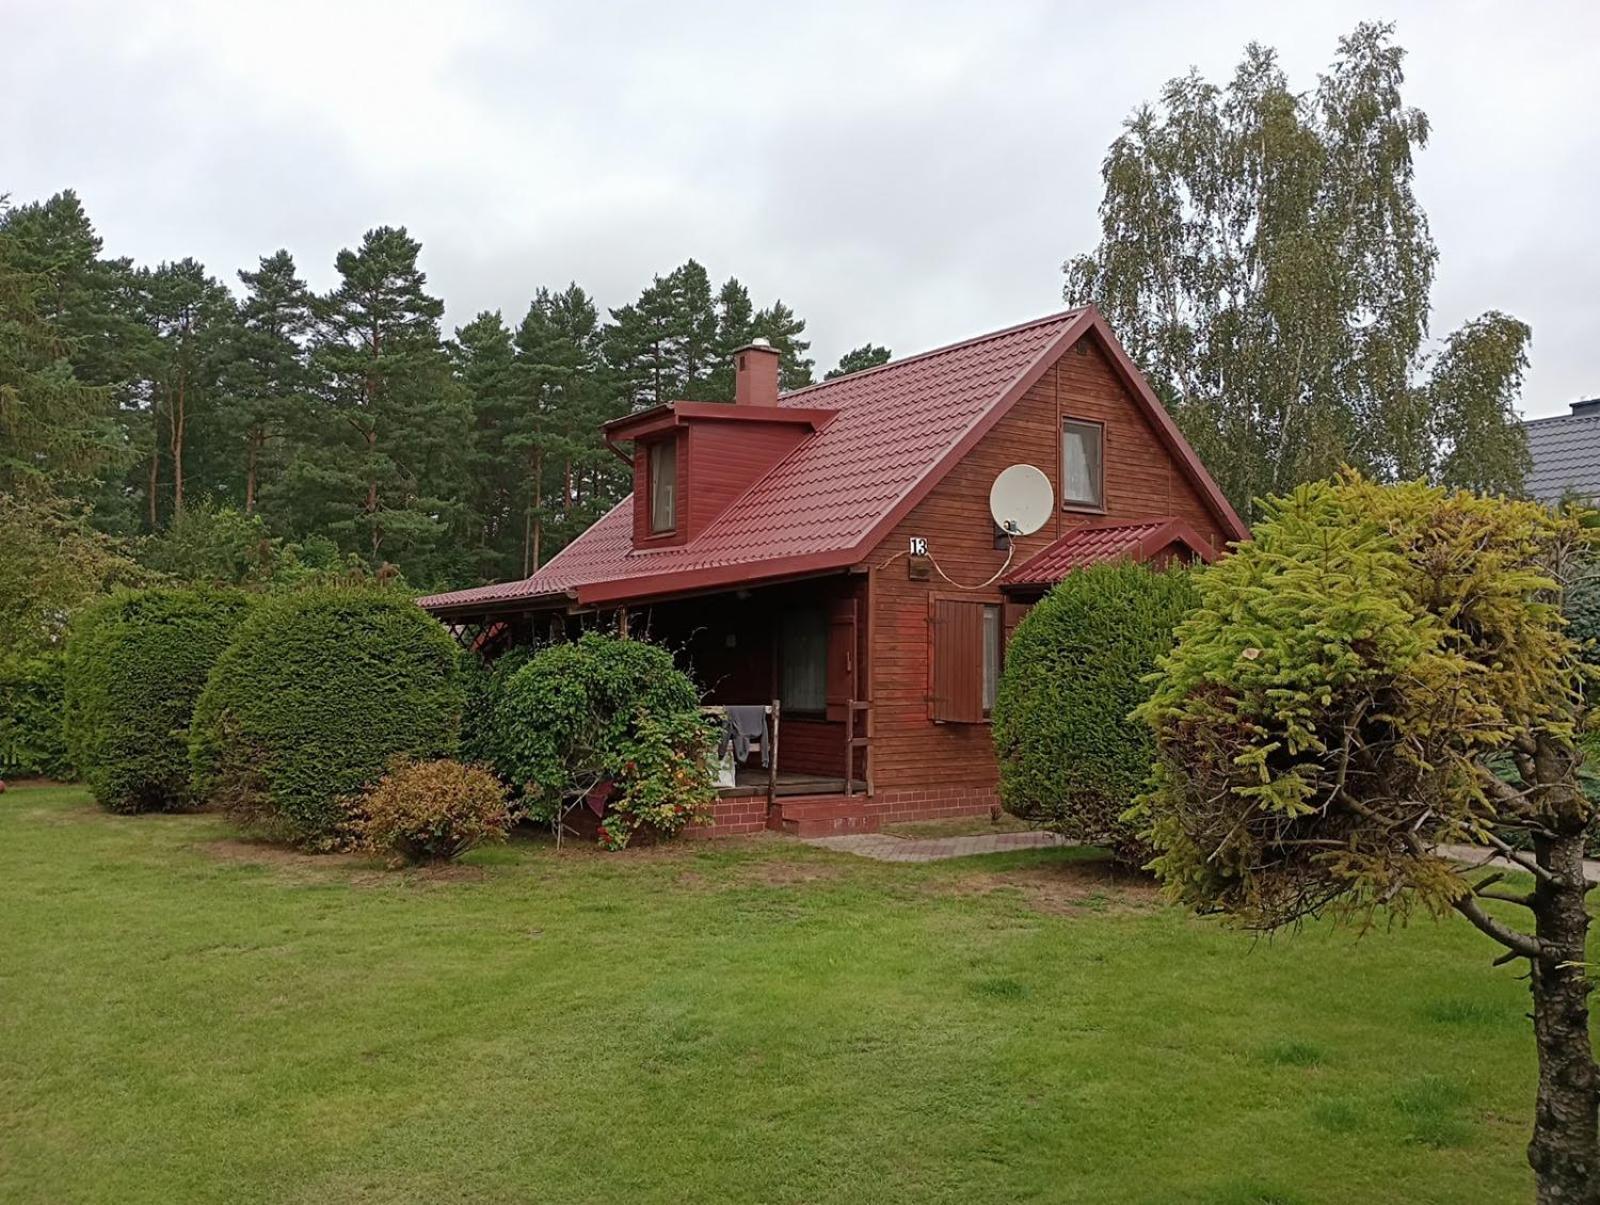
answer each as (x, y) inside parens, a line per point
(431, 811)
(666, 780)
(602, 712)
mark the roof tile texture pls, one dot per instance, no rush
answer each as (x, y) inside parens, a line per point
(1566, 456)
(1084, 546)
(894, 424)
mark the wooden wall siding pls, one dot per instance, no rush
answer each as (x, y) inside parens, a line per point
(726, 458)
(811, 746)
(911, 752)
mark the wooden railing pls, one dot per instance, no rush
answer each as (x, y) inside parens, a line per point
(772, 709)
(852, 742)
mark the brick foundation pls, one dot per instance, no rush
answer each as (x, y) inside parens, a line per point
(743, 814)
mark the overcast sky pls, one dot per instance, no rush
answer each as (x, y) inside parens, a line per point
(909, 174)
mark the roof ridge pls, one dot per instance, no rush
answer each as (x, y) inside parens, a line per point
(1553, 418)
(1058, 316)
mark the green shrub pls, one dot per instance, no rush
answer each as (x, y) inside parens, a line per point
(603, 709)
(665, 780)
(1070, 757)
(432, 811)
(483, 688)
(31, 739)
(1581, 605)
(135, 663)
(317, 694)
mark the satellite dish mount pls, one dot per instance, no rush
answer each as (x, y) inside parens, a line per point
(1021, 500)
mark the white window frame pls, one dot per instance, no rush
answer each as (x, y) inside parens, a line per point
(660, 452)
(1094, 498)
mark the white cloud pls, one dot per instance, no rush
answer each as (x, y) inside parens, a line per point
(907, 173)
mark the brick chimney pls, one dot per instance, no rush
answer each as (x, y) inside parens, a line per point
(755, 374)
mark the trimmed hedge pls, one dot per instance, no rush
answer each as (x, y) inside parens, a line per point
(318, 692)
(1070, 758)
(605, 710)
(135, 663)
(31, 739)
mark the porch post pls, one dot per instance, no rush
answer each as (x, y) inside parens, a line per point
(772, 761)
(622, 622)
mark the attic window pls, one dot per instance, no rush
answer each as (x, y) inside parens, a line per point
(663, 486)
(1082, 464)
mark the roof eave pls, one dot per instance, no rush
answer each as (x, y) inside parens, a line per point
(440, 608)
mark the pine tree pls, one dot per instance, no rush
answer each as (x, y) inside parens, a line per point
(570, 478)
(779, 325)
(188, 314)
(87, 308)
(868, 355)
(485, 365)
(735, 328)
(266, 380)
(665, 346)
(55, 431)
(390, 476)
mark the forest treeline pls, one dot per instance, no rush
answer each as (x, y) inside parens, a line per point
(174, 407)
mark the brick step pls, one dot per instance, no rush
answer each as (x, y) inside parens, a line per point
(830, 826)
(823, 808)
(824, 815)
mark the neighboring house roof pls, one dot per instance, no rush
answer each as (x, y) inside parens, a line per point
(1097, 543)
(1566, 454)
(899, 428)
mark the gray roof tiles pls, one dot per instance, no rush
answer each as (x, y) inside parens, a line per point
(1566, 456)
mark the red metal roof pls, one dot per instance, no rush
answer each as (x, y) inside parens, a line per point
(898, 429)
(1097, 543)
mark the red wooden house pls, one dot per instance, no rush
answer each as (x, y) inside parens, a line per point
(831, 551)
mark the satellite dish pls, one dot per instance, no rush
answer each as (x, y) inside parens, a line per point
(1021, 500)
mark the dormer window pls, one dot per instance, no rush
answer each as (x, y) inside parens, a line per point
(663, 486)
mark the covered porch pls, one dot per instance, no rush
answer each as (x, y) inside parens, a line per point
(797, 648)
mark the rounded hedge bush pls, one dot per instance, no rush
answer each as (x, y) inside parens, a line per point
(318, 692)
(31, 738)
(1070, 758)
(599, 710)
(135, 664)
(432, 811)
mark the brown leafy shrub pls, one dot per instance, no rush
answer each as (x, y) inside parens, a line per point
(432, 811)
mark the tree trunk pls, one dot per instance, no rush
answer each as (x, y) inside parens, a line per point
(250, 473)
(1565, 1151)
(150, 487)
(178, 420)
(372, 493)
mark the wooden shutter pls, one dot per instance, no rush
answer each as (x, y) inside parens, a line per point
(957, 653)
(841, 656)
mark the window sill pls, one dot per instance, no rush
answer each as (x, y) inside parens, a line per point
(1082, 508)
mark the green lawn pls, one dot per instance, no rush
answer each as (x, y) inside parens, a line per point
(186, 1018)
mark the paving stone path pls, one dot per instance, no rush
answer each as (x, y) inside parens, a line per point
(1476, 855)
(887, 848)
